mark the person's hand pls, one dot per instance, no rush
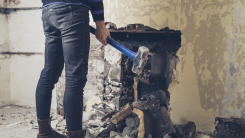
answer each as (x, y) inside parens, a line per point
(102, 32)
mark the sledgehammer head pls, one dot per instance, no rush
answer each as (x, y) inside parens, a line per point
(140, 60)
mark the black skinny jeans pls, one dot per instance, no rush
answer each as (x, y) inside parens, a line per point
(66, 28)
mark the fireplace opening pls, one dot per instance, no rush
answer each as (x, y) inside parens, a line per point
(158, 72)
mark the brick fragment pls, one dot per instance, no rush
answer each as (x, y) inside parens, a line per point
(122, 114)
(141, 129)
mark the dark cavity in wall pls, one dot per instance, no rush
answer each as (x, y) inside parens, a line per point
(135, 35)
(158, 72)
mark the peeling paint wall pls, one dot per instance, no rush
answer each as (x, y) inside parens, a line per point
(4, 61)
(157, 14)
(210, 73)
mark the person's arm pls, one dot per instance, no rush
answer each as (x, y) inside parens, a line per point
(97, 10)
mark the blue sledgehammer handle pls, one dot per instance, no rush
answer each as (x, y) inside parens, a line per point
(119, 47)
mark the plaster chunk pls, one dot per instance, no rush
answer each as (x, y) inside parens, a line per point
(96, 123)
(115, 74)
(94, 100)
(114, 134)
(122, 114)
(95, 45)
(112, 55)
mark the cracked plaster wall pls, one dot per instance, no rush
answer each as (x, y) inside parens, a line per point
(209, 77)
(210, 74)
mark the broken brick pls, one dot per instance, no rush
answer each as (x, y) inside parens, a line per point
(229, 127)
(135, 86)
(122, 114)
(133, 122)
(144, 128)
(187, 130)
(162, 123)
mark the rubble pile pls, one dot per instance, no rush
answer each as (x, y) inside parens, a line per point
(229, 127)
(143, 104)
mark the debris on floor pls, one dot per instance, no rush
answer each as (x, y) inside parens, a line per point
(229, 127)
(21, 122)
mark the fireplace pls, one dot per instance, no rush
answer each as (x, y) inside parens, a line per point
(127, 104)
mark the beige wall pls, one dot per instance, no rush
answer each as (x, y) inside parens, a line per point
(210, 73)
(209, 77)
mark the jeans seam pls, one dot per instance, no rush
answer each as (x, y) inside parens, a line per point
(83, 15)
(83, 53)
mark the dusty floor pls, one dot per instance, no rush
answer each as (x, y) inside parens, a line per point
(20, 122)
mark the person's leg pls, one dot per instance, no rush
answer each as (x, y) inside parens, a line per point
(54, 63)
(76, 42)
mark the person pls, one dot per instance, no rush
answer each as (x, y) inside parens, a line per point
(67, 41)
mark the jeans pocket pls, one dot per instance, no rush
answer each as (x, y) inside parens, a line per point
(44, 20)
(61, 17)
(78, 14)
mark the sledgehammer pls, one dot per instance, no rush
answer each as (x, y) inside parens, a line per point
(139, 58)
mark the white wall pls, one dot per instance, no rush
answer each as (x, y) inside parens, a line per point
(25, 72)
(25, 34)
(4, 62)
(4, 81)
(1, 3)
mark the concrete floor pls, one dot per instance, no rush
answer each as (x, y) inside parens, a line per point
(20, 122)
